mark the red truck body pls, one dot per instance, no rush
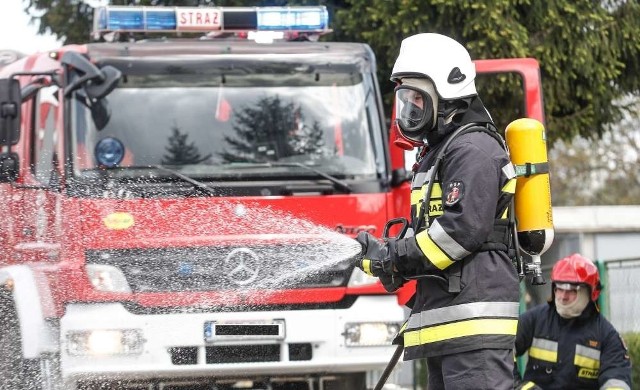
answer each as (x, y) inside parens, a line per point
(87, 250)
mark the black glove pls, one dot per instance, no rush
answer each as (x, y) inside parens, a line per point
(392, 282)
(377, 261)
(374, 259)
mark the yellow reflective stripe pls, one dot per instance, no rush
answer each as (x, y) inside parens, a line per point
(510, 187)
(434, 254)
(527, 386)
(366, 266)
(583, 361)
(505, 214)
(489, 326)
(436, 191)
(435, 208)
(543, 354)
(416, 196)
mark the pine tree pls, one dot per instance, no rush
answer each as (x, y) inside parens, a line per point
(271, 129)
(180, 152)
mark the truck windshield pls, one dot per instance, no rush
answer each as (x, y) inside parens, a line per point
(229, 125)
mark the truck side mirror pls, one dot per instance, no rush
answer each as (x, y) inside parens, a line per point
(10, 101)
(97, 82)
(9, 167)
(98, 90)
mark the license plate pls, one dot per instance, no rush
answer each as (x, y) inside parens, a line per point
(243, 330)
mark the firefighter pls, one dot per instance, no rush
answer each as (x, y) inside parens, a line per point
(465, 311)
(570, 344)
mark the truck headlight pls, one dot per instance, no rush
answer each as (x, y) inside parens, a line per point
(107, 278)
(105, 342)
(369, 334)
(359, 279)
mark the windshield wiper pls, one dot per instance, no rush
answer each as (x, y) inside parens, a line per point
(194, 182)
(337, 182)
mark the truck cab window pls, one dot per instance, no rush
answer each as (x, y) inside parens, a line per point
(263, 115)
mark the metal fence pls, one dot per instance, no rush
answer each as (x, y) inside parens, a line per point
(620, 297)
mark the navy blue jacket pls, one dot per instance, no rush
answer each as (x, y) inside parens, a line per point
(585, 352)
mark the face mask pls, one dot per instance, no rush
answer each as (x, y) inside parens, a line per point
(412, 115)
(416, 102)
(575, 308)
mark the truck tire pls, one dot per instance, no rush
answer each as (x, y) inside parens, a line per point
(17, 373)
(356, 381)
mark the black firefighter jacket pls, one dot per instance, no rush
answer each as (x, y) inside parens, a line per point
(469, 298)
(580, 353)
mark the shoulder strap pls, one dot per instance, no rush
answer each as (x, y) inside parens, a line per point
(468, 128)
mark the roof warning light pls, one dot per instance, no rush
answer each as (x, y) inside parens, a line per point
(304, 19)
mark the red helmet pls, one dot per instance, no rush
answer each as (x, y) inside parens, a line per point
(579, 270)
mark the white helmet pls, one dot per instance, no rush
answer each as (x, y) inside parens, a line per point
(440, 58)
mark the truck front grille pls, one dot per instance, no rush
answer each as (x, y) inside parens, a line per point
(226, 268)
(243, 353)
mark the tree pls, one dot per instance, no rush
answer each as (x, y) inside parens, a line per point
(588, 50)
(180, 152)
(271, 129)
(599, 172)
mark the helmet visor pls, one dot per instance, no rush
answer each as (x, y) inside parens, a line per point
(414, 111)
(567, 286)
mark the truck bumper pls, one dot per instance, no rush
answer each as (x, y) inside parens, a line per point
(173, 346)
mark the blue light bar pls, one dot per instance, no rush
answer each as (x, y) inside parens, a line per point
(297, 19)
(312, 19)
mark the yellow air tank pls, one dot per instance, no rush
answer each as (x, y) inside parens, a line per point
(526, 140)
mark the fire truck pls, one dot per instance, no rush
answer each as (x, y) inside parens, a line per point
(178, 213)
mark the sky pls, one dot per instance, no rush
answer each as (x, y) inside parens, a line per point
(17, 33)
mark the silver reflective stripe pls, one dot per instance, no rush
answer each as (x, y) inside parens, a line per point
(591, 353)
(545, 344)
(616, 384)
(418, 180)
(509, 171)
(422, 178)
(463, 312)
(444, 241)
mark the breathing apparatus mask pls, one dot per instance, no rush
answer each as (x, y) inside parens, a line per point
(416, 108)
(451, 74)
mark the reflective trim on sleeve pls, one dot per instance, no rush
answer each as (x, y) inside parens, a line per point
(486, 326)
(543, 349)
(587, 357)
(431, 251)
(463, 311)
(528, 385)
(615, 384)
(366, 266)
(446, 242)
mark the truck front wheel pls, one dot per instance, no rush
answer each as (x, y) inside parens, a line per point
(356, 381)
(17, 373)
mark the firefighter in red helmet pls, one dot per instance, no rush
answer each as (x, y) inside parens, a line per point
(570, 344)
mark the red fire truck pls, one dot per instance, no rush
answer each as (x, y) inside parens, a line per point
(177, 213)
